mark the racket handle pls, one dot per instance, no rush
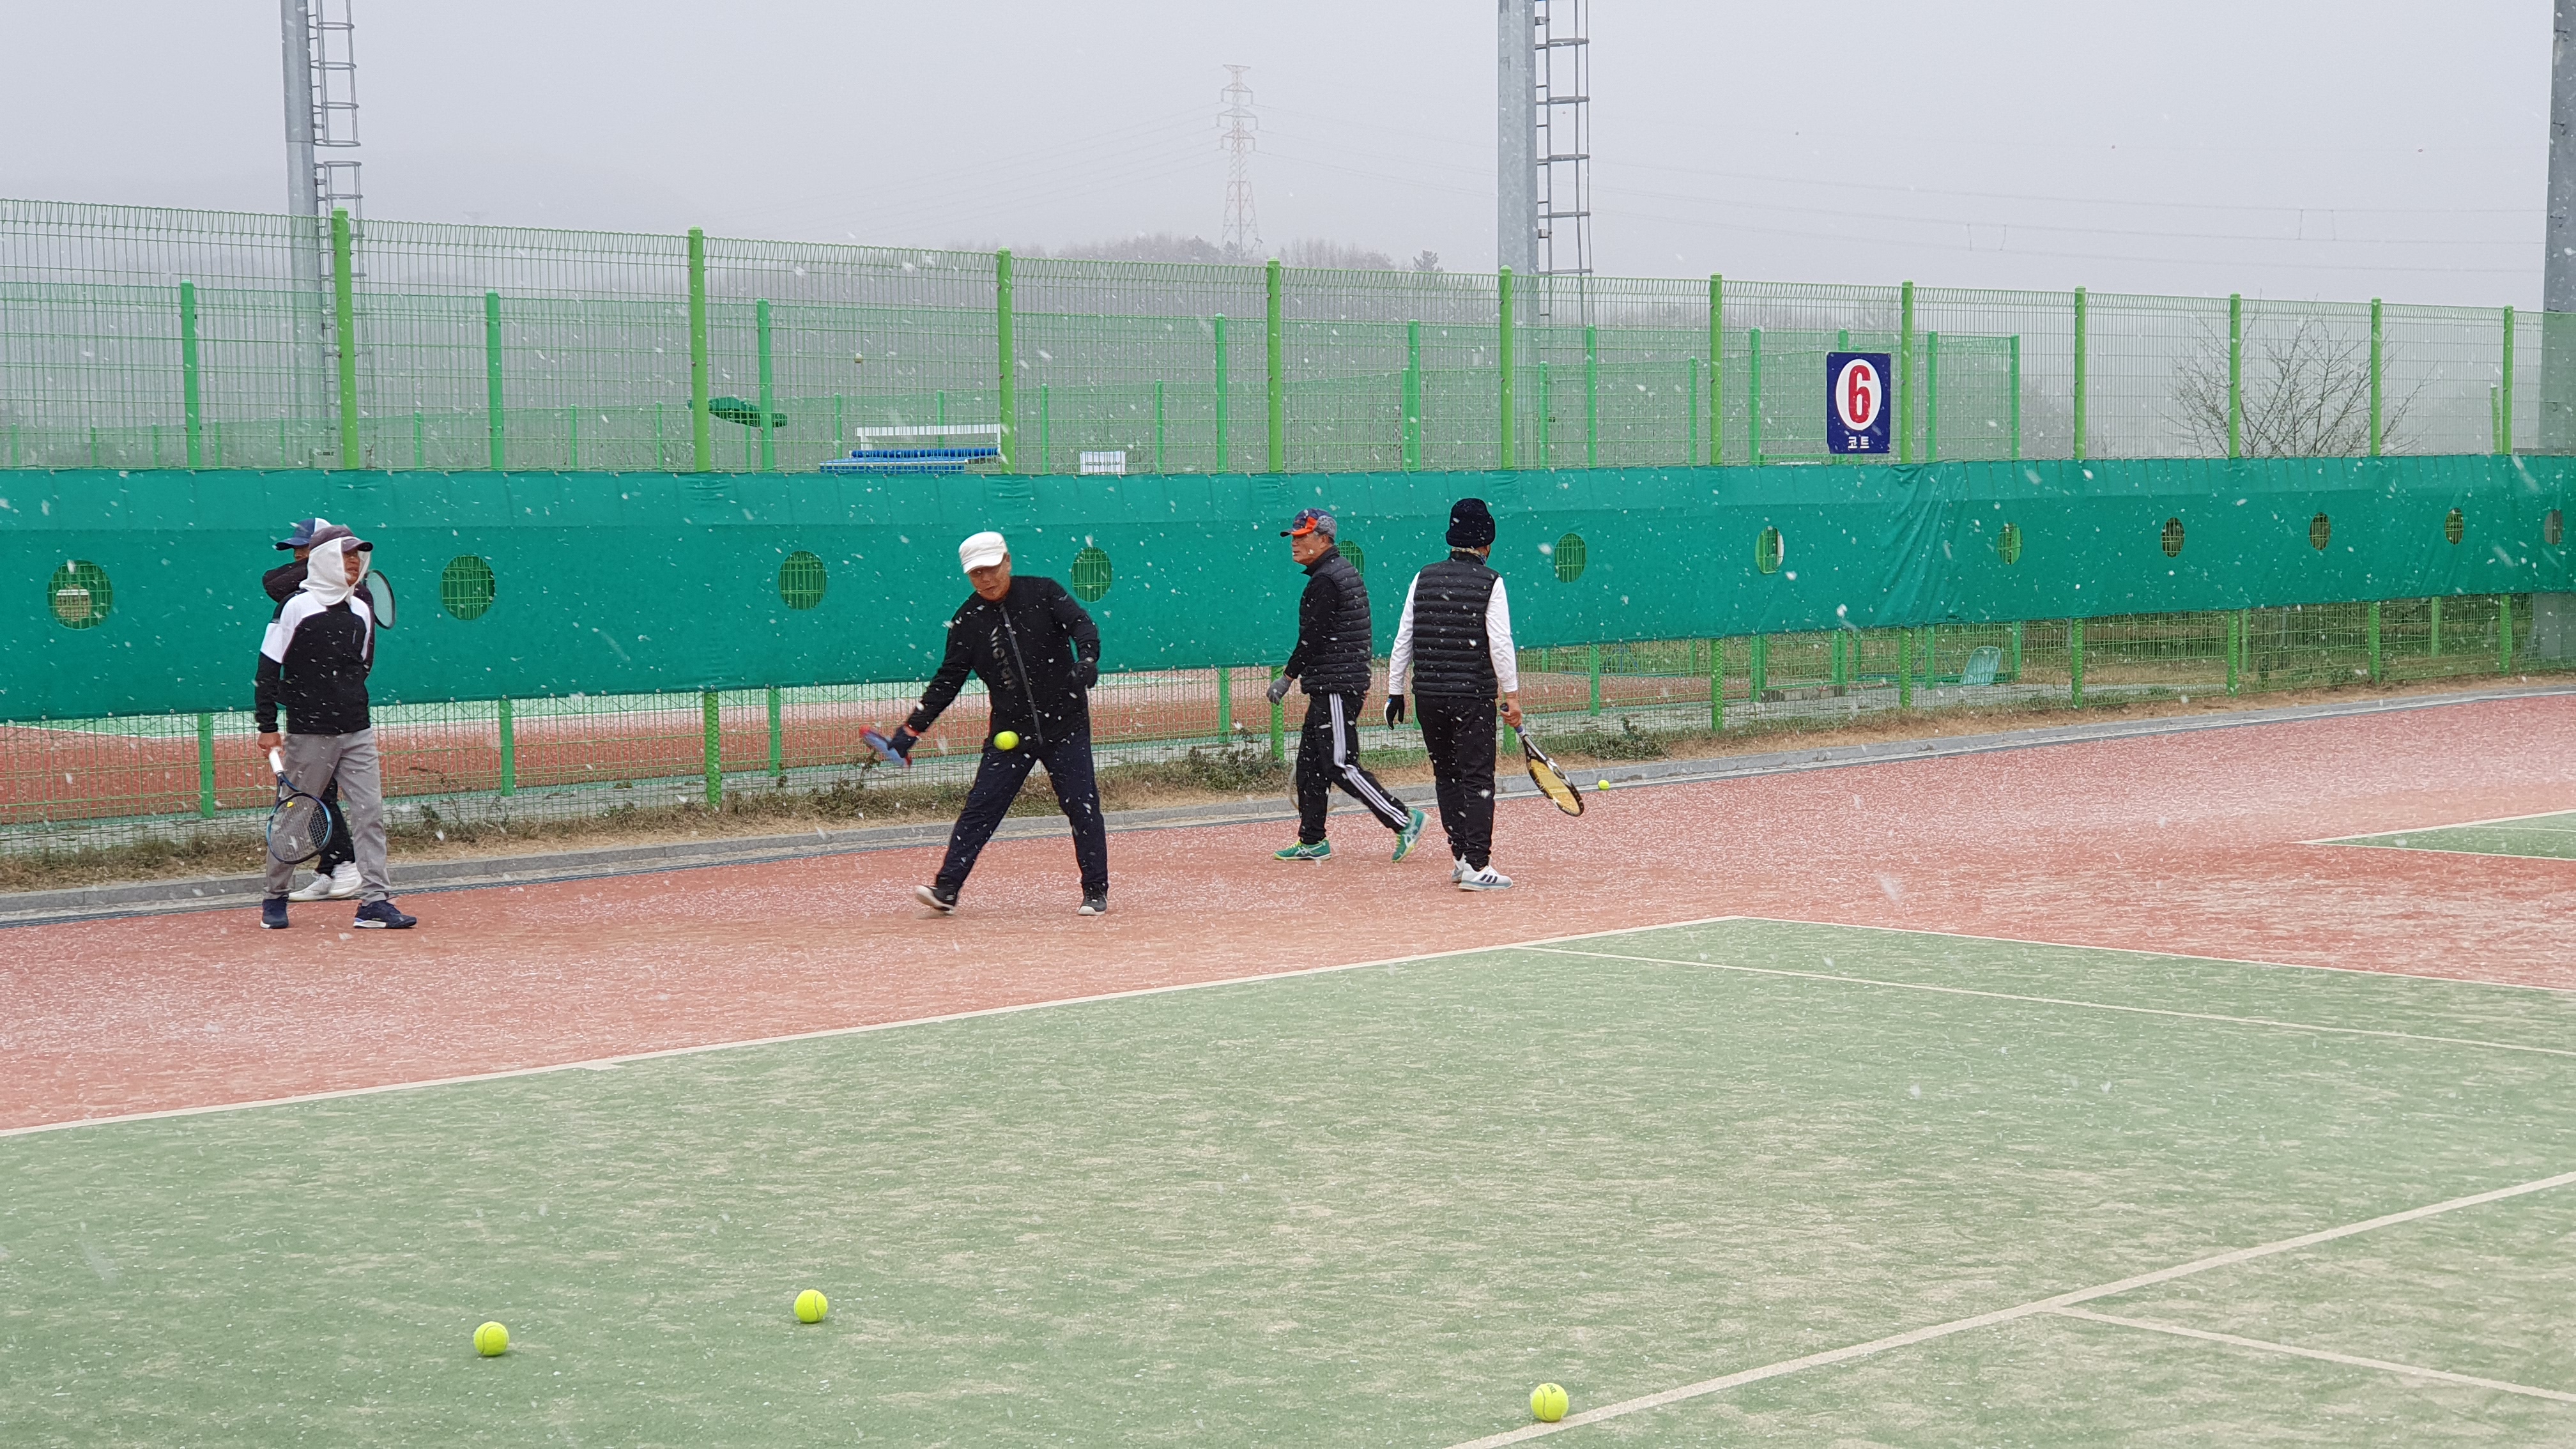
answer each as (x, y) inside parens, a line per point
(277, 764)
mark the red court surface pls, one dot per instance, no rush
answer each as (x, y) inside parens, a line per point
(2184, 843)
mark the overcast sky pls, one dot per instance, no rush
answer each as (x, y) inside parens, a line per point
(2284, 148)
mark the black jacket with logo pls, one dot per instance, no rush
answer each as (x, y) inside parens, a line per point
(1036, 650)
(1332, 654)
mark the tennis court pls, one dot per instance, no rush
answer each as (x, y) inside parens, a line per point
(2543, 837)
(1375, 1204)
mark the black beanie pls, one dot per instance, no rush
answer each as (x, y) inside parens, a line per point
(1470, 526)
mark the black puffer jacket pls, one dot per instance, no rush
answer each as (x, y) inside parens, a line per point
(1332, 654)
(1452, 654)
(1036, 651)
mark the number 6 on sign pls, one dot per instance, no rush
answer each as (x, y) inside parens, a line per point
(1856, 408)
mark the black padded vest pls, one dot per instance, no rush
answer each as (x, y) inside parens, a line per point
(1451, 656)
(1337, 652)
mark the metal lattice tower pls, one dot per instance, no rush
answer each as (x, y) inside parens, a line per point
(1242, 224)
(321, 106)
(1561, 82)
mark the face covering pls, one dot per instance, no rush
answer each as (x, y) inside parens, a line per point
(326, 573)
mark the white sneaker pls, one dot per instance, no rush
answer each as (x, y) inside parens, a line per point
(316, 889)
(1457, 869)
(345, 883)
(1488, 879)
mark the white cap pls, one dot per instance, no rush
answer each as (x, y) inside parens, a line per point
(981, 551)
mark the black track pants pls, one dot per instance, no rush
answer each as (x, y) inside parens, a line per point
(1459, 735)
(1328, 754)
(997, 783)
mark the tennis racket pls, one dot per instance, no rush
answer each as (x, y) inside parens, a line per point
(877, 741)
(1550, 780)
(298, 825)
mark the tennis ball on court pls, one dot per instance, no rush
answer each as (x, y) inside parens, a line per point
(1600, 784)
(811, 1306)
(1547, 1403)
(1006, 740)
(491, 1340)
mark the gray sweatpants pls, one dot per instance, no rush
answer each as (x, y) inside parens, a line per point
(311, 762)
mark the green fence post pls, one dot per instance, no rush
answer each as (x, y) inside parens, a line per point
(768, 395)
(1278, 724)
(2075, 662)
(2079, 375)
(1006, 363)
(777, 739)
(702, 458)
(1761, 665)
(508, 720)
(1277, 381)
(1412, 396)
(1753, 396)
(2235, 374)
(2013, 362)
(2371, 632)
(2504, 633)
(1931, 397)
(1841, 651)
(2435, 649)
(1594, 663)
(2015, 653)
(494, 418)
(419, 442)
(2495, 420)
(2235, 653)
(2374, 377)
(1046, 430)
(191, 395)
(714, 749)
(1905, 374)
(1222, 458)
(344, 314)
(2504, 393)
(1158, 425)
(206, 766)
(1225, 703)
(1510, 454)
(1546, 444)
(1716, 683)
(1591, 398)
(1905, 669)
(1716, 366)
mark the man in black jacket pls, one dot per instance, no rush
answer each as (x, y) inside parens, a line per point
(1332, 661)
(313, 663)
(1038, 653)
(335, 871)
(1455, 641)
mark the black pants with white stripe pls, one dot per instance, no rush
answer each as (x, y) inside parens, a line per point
(1458, 734)
(1328, 754)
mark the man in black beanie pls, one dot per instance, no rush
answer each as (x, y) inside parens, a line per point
(1456, 644)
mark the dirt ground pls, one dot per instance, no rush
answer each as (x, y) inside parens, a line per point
(1208, 777)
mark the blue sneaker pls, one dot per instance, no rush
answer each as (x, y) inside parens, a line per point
(385, 916)
(1411, 832)
(1320, 850)
(272, 913)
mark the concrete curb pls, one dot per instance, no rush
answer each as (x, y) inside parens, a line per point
(235, 892)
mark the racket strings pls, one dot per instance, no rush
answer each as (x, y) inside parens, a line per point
(298, 828)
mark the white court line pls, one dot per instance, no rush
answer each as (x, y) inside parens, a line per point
(606, 1063)
(2165, 1011)
(2447, 825)
(2004, 1315)
(2409, 1370)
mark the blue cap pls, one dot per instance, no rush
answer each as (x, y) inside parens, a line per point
(302, 537)
(1310, 520)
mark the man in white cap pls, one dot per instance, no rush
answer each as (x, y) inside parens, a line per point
(1038, 654)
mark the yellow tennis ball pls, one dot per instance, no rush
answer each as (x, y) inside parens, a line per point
(491, 1340)
(1600, 784)
(1006, 740)
(811, 1306)
(1548, 1403)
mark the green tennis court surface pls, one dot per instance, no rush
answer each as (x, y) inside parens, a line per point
(1372, 1207)
(2548, 837)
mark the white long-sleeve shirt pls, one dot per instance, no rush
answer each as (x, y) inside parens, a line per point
(1498, 641)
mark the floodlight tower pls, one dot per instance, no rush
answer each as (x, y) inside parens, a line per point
(1237, 140)
(2558, 253)
(1543, 145)
(321, 106)
(1515, 137)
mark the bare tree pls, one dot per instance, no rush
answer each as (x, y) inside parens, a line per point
(2306, 395)
(1426, 260)
(1336, 256)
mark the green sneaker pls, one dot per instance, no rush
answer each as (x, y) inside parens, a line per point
(1320, 850)
(1411, 832)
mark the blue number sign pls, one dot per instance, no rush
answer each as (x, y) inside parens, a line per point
(1856, 402)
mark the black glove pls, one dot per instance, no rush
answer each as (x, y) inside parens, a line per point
(1279, 688)
(1086, 673)
(1394, 710)
(902, 741)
